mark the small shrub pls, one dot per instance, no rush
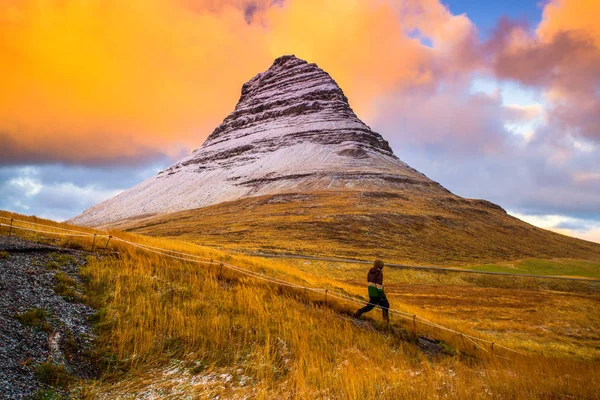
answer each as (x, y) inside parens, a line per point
(198, 367)
(63, 259)
(4, 255)
(105, 359)
(52, 265)
(448, 349)
(48, 394)
(53, 374)
(65, 287)
(36, 318)
(61, 277)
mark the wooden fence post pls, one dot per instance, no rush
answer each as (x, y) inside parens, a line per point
(326, 290)
(220, 270)
(415, 324)
(10, 229)
(93, 242)
(106, 245)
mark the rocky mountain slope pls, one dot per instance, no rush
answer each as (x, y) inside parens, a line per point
(291, 131)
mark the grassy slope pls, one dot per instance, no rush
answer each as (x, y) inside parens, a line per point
(404, 228)
(551, 316)
(558, 267)
(174, 329)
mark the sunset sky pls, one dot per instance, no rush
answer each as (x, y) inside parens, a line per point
(497, 101)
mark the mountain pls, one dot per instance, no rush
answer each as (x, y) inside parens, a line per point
(293, 169)
(292, 130)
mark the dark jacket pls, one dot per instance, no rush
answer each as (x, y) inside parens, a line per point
(375, 282)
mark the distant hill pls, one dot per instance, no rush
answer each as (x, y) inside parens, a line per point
(408, 228)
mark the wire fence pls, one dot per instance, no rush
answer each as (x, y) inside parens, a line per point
(182, 256)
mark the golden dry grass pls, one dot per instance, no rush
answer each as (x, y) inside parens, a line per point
(545, 316)
(174, 329)
(405, 228)
(555, 267)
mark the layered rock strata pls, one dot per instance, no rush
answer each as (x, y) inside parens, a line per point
(292, 130)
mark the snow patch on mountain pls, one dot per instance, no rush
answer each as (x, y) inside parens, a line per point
(291, 131)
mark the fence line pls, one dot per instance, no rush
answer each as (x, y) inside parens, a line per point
(230, 266)
(45, 225)
(257, 275)
(147, 246)
(50, 233)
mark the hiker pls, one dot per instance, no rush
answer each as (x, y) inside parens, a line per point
(376, 293)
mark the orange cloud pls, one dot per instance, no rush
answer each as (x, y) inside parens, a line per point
(119, 78)
(569, 15)
(87, 81)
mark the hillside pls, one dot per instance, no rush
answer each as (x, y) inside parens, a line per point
(399, 227)
(171, 328)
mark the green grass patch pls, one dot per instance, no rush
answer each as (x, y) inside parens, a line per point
(59, 261)
(53, 374)
(556, 267)
(36, 318)
(47, 394)
(52, 265)
(62, 259)
(65, 287)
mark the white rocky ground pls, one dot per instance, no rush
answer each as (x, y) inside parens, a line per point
(291, 131)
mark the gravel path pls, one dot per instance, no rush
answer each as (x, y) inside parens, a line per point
(29, 277)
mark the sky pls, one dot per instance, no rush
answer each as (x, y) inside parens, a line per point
(497, 100)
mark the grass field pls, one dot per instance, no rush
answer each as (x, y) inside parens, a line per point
(403, 228)
(170, 329)
(555, 267)
(547, 316)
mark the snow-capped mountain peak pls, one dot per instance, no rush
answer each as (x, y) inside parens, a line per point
(291, 131)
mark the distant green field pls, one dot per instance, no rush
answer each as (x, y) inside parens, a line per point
(556, 267)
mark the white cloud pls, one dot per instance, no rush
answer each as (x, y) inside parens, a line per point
(29, 186)
(583, 145)
(541, 221)
(575, 227)
(27, 182)
(57, 192)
